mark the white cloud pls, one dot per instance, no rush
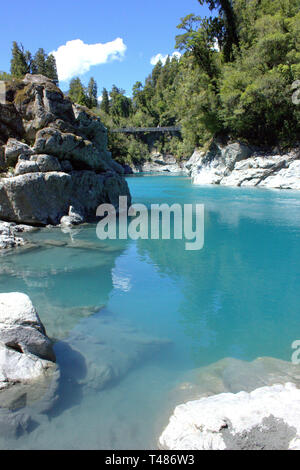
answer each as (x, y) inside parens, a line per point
(76, 58)
(163, 58)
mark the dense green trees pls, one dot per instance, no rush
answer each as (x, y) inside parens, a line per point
(22, 62)
(84, 96)
(104, 106)
(92, 93)
(233, 80)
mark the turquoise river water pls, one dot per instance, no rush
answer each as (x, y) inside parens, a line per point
(237, 297)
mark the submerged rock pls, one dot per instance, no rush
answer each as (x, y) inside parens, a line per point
(28, 373)
(102, 349)
(266, 419)
(234, 375)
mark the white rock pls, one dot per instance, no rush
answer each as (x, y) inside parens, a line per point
(287, 178)
(268, 417)
(28, 375)
(17, 309)
(233, 165)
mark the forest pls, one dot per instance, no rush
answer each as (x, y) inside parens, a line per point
(233, 80)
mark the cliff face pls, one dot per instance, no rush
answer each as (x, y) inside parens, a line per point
(239, 165)
(53, 155)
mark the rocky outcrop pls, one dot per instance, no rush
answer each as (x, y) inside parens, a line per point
(239, 165)
(160, 164)
(54, 156)
(266, 419)
(28, 373)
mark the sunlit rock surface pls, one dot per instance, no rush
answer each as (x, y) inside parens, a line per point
(239, 165)
(53, 155)
(28, 373)
(266, 419)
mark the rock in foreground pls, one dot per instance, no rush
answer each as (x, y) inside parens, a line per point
(266, 419)
(28, 373)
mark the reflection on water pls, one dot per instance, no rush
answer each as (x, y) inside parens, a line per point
(111, 305)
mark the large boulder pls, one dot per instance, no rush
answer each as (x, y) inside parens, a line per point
(68, 146)
(266, 419)
(21, 328)
(212, 166)
(28, 373)
(44, 198)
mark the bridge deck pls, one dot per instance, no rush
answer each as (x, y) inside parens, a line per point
(134, 130)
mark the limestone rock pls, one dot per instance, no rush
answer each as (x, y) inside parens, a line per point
(64, 162)
(44, 198)
(37, 163)
(82, 153)
(239, 165)
(21, 328)
(14, 149)
(8, 238)
(74, 217)
(11, 124)
(28, 373)
(102, 349)
(267, 418)
(285, 179)
(161, 164)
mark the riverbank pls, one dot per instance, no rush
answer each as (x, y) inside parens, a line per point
(240, 165)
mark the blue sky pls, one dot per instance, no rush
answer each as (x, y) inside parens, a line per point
(125, 35)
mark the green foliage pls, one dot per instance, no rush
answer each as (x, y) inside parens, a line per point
(234, 78)
(22, 62)
(104, 106)
(120, 105)
(19, 64)
(92, 93)
(77, 92)
(81, 95)
(5, 76)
